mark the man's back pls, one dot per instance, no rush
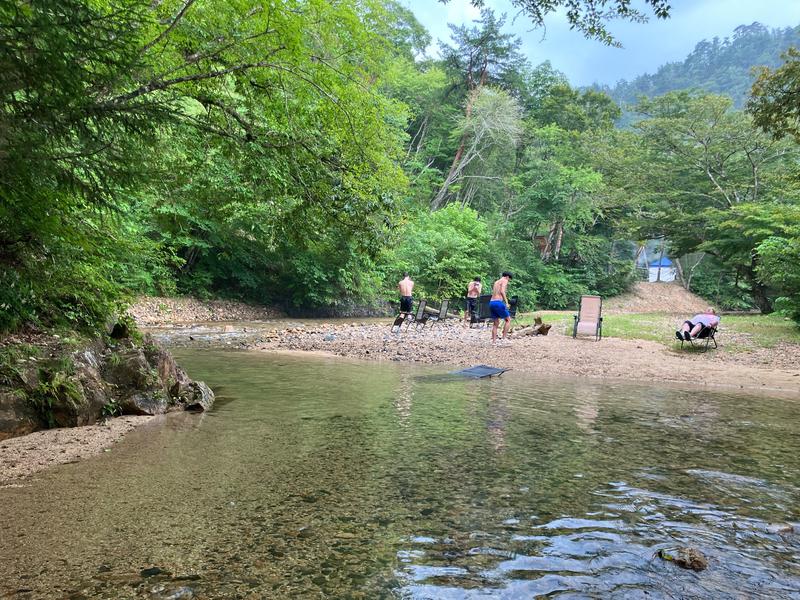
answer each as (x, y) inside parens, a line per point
(499, 289)
(406, 287)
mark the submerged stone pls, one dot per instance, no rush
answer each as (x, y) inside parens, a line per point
(686, 558)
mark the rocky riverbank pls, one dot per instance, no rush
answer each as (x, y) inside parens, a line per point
(151, 311)
(774, 372)
(51, 382)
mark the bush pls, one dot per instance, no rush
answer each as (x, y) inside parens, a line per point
(442, 251)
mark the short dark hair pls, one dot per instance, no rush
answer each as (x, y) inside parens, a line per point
(405, 273)
(477, 279)
(507, 274)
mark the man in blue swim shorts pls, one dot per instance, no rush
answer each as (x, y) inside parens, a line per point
(498, 305)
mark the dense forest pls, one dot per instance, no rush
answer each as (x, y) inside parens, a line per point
(719, 66)
(305, 153)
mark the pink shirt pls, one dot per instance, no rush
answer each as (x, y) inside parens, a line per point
(706, 319)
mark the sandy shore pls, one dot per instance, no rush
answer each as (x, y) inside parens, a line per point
(23, 456)
(766, 371)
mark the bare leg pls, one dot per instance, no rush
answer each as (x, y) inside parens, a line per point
(505, 327)
(495, 323)
(684, 327)
(697, 328)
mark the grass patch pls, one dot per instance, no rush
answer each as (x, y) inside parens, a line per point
(765, 330)
(761, 330)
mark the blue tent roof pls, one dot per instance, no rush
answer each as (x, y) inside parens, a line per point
(663, 262)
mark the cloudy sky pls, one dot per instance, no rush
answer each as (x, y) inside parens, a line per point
(645, 46)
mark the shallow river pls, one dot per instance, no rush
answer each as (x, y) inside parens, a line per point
(316, 477)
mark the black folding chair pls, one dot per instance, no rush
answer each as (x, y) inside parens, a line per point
(706, 333)
(437, 318)
(484, 314)
(408, 318)
(513, 305)
(419, 317)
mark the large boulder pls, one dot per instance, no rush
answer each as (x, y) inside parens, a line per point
(193, 395)
(129, 368)
(100, 378)
(96, 391)
(17, 416)
(146, 402)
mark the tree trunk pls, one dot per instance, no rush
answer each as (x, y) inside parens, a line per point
(757, 289)
(437, 201)
(679, 269)
(548, 246)
(559, 237)
(760, 298)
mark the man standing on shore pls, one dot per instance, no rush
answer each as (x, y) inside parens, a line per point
(473, 291)
(498, 305)
(406, 287)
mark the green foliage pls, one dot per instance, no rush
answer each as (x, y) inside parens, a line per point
(779, 266)
(556, 289)
(111, 409)
(723, 185)
(55, 390)
(304, 154)
(442, 251)
(721, 287)
(155, 147)
(773, 103)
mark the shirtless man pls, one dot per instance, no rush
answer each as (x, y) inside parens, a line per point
(498, 305)
(473, 291)
(406, 287)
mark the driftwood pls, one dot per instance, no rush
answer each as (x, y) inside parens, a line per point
(538, 328)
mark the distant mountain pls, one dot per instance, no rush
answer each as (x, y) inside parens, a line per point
(717, 66)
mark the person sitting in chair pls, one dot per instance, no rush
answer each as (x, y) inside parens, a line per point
(692, 328)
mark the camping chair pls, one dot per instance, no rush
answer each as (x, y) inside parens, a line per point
(408, 318)
(706, 333)
(441, 316)
(513, 305)
(589, 319)
(420, 316)
(484, 314)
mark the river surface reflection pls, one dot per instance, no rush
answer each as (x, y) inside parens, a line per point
(323, 478)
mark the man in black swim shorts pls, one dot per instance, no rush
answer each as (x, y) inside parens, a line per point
(406, 288)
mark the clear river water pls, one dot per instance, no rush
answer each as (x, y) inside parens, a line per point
(314, 477)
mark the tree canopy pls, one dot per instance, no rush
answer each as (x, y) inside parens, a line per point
(305, 153)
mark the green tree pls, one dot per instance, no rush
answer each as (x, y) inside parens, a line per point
(774, 103)
(229, 124)
(443, 251)
(711, 160)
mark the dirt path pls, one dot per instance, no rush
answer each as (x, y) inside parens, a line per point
(655, 297)
(555, 354)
